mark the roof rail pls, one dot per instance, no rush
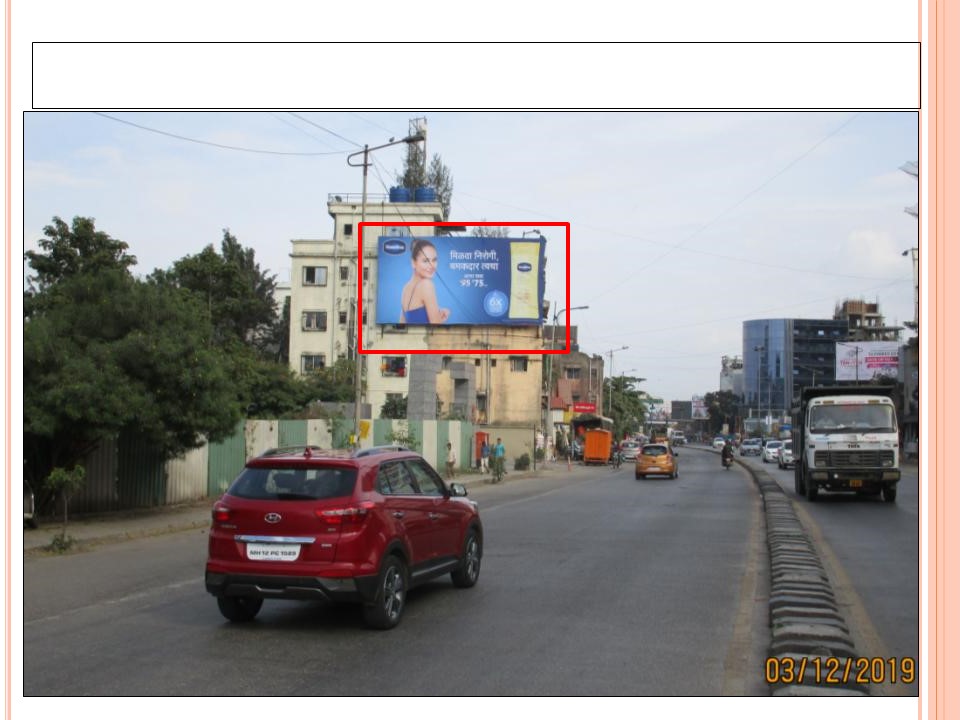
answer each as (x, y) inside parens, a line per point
(380, 449)
(290, 450)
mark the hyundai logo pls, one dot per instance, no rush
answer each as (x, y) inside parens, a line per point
(395, 247)
(273, 518)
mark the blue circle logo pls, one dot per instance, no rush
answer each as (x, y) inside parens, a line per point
(496, 303)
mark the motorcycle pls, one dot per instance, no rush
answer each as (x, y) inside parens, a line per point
(727, 462)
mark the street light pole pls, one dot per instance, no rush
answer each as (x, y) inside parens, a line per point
(358, 311)
(553, 341)
(758, 349)
(610, 353)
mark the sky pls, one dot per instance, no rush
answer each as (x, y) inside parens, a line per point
(683, 224)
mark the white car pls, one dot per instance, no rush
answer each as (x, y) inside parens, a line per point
(718, 443)
(785, 455)
(770, 450)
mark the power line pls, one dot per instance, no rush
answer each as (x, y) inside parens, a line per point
(326, 130)
(213, 144)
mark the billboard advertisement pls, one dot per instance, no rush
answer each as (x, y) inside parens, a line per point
(459, 280)
(859, 361)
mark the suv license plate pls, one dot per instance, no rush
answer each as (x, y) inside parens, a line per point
(856, 483)
(273, 551)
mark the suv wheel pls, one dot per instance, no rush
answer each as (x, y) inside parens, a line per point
(469, 571)
(385, 611)
(239, 609)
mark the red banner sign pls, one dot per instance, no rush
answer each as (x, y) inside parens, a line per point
(584, 407)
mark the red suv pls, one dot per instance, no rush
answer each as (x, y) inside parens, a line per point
(357, 526)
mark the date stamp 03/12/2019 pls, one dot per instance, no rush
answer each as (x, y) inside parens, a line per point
(840, 670)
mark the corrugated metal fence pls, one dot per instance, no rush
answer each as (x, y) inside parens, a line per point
(126, 472)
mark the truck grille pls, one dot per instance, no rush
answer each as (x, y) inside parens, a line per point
(852, 458)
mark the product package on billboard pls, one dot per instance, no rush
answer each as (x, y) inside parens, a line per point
(459, 281)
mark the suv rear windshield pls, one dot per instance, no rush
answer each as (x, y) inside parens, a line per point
(277, 483)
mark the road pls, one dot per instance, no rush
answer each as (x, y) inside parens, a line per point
(871, 549)
(592, 583)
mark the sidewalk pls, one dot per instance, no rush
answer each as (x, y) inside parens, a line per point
(91, 530)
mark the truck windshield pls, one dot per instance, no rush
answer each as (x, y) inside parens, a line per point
(852, 418)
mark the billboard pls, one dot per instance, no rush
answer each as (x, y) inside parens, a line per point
(860, 361)
(459, 280)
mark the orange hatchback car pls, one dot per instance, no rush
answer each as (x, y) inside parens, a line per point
(656, 459)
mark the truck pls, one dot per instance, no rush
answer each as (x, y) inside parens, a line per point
(845, 439)
(596, 446)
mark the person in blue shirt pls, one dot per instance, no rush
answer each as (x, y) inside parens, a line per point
(418, 300)
(499, 454)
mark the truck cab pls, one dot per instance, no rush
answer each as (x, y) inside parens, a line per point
(845, 438)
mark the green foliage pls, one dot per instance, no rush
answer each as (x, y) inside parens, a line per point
(522, 462)
(628, 408)
(438, 176)
(65, 483)
(68, 251)
(490, 231)
(105, 352)
(394, 409)
(404, 436)
(722, 407)
(238, 296)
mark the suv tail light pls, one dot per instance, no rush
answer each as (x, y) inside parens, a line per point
(221, 513)
(345, 516)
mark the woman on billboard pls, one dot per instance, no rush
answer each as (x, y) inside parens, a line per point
(419, 297)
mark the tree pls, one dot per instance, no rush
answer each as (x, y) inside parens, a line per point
(437, 176)
(395, 408)
(627, 409)
(104, 352)
(490, 231)
(238, 295)
(721, 408)
(69, 251)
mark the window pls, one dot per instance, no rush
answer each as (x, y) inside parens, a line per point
(572, 373)
(393, 479)
(310, 363)
(344, 272)
(342, 317)
(427, 481)
(393, 366)
(518, 364)
(366, 273)
(315, 275)
(364, 317)
(348, 228)
(314, 321)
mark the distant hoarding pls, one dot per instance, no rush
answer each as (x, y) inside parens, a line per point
(584, 407)
(867, 360)
(459, 280)
(698, 408)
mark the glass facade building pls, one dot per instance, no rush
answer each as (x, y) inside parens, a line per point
(782, 355)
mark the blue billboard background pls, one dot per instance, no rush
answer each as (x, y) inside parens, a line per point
(480, 280)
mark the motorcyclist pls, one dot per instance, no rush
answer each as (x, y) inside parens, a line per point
(726, 454)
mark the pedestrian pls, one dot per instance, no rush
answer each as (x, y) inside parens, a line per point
(485, 457)
(499, 454)
(451, 461)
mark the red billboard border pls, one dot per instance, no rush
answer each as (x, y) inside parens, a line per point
(504, 351)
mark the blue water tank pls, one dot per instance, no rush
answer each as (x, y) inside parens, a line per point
(399, 194)
(425, 194)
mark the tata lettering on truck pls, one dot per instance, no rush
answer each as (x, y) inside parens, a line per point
(845, 439)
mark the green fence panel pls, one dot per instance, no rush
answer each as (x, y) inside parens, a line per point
(292, 433)
(225, 461)
(141, 472)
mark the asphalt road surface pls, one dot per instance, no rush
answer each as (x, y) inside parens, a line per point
(592, 583)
